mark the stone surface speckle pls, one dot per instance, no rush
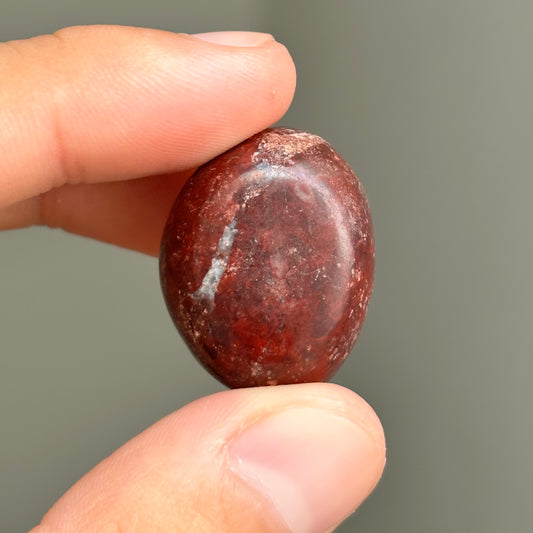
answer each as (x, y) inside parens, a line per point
(267, 261)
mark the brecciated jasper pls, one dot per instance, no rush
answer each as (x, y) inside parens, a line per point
(267, 260)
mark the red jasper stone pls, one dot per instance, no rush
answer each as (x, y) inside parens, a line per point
(267, 261)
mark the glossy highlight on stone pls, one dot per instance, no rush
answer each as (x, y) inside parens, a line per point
(267, 261)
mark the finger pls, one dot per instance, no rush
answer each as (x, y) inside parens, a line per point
(105, 103)
(130, 213)
(287, 458)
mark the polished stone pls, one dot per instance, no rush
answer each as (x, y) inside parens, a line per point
(267, 261)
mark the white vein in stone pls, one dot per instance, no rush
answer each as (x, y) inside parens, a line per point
(208, 288)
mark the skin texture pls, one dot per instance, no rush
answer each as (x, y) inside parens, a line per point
(99, 128)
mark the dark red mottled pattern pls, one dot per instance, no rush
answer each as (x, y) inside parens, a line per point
(267, 261)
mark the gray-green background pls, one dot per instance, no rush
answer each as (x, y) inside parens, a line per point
(431, 102)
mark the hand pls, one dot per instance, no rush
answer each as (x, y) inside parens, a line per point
(99, 128)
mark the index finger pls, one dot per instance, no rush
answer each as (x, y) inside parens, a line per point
(106, 103)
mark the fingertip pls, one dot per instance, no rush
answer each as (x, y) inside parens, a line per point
(294, 457)
(120, 103)
(312, 452)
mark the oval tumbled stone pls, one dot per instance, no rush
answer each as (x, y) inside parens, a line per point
(267, 261)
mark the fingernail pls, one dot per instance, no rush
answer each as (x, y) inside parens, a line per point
(315, 467)
(235, 38)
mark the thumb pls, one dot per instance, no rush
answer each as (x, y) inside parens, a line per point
(294, 458)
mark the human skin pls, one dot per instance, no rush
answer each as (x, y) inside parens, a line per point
(100, 126)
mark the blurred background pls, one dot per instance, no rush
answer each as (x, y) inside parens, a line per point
(431, 103)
